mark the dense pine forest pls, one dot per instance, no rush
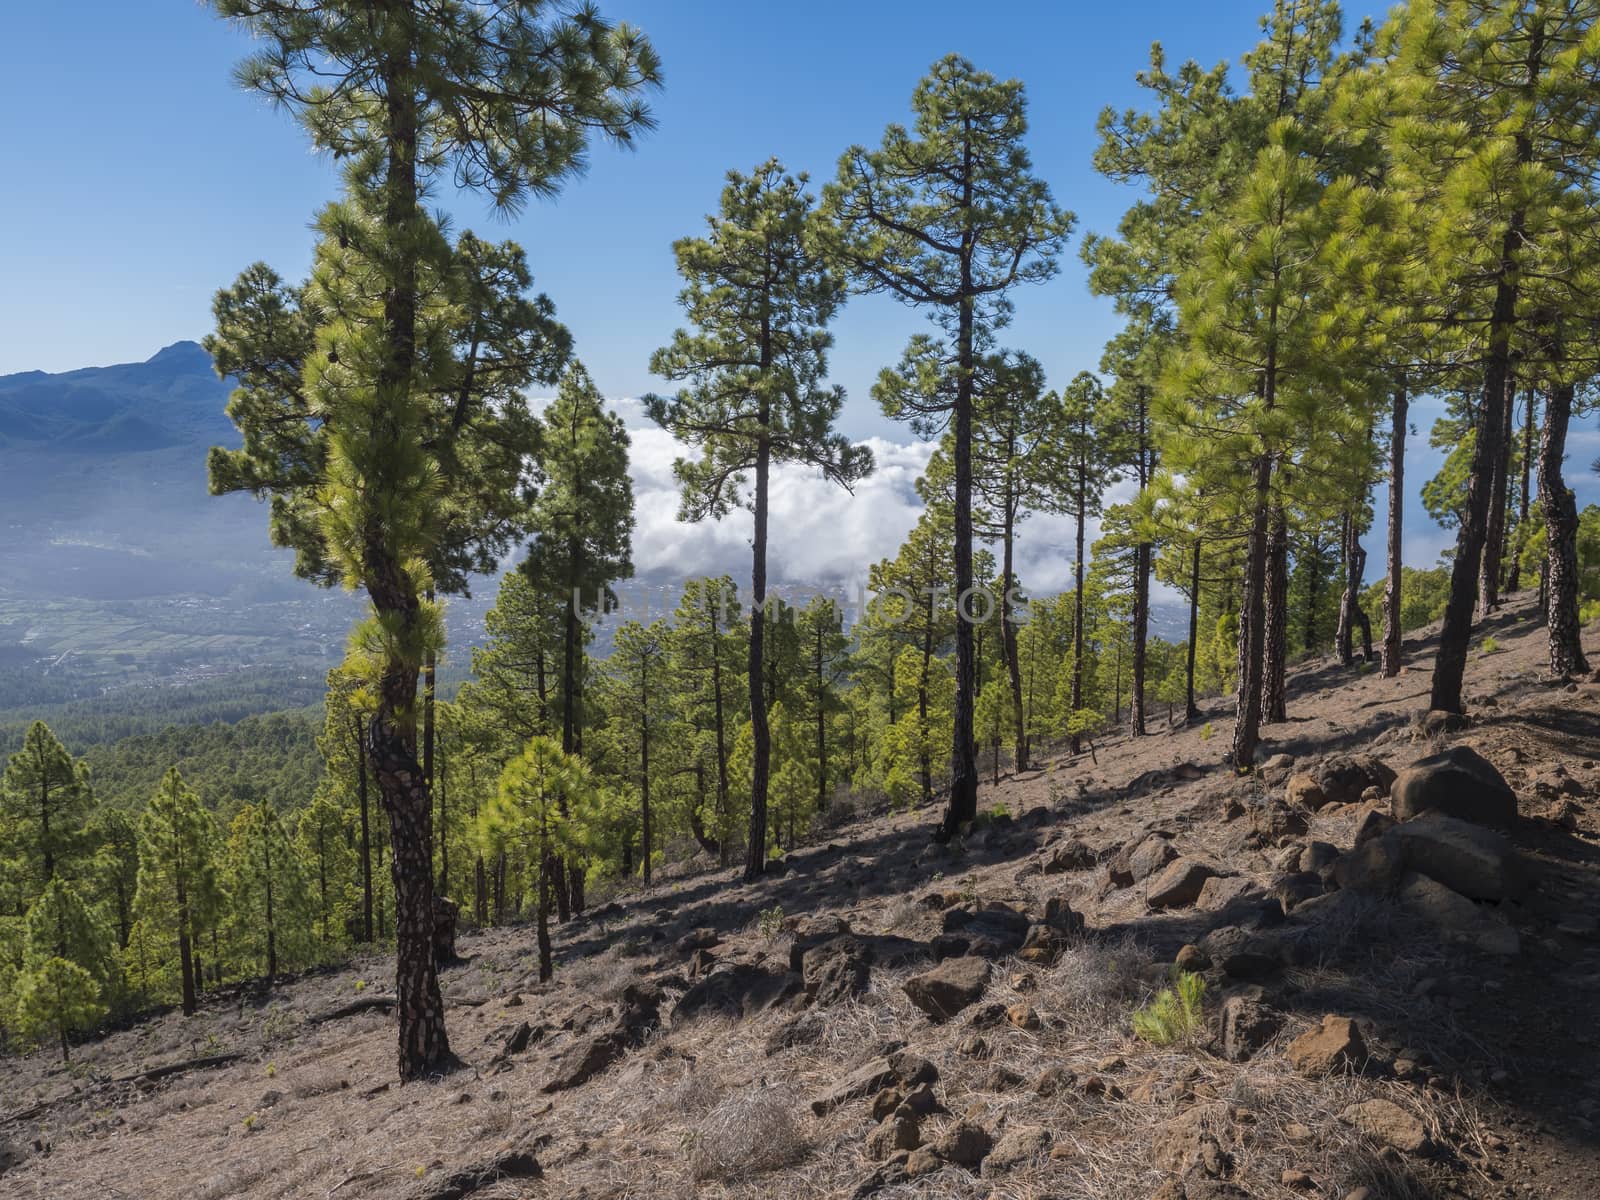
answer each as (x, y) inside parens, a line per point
(1346, 218)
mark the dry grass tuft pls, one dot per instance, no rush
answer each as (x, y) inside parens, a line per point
(748, 1133)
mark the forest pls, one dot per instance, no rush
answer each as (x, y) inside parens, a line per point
(1348, 218)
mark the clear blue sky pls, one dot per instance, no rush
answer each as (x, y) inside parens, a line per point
(139, 178)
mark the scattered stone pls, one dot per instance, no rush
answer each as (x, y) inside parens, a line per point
(838, 969)
(922, 1101)
(973, 1047)
(1304, 792)
(1335, 1045)
(803, 1030)
(1247, 1026)
(1179, 883)
(584, 1060)
(1373, 867)
(1111, 1062)
(1000, 1079)
(1437, 721)
(1388, 1123)
(949, 987)
(1299, 1181)
(1143, 859)
(1241, 953)
(1222, 890)
(1043, 945)
(1346, 779)
(698, 939)
(1466, 858)
(513, 1163)
(1375, 824)
(1059, 916)
(922, 1161)
(1459, 783)
(1016, 1147)
(1291, 891)
(1276, 769)
(901, 1068)
(899, 1131)
(1457, 917)
(1054, 1079)
(1023, 1016)
(1317, 858)
(1274, 820)
(1188, 1144)
(885, 1102)
(1067, 856)
(964, 1143)
(1191, 958)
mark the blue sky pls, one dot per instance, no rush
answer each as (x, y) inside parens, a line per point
(141, 179)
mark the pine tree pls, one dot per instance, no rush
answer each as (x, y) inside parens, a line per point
(948, 217)
(322, 846)
(57, 995)
(269, 911)
(759, 300)
(115, 873)
(1513, 82)
(175, 873)
(640, 700)
(1087, 473)
(45, 799)
(583, 520)
(824, 651)
(507, 98)
(707, 658)
(60, 925)
(543, 793)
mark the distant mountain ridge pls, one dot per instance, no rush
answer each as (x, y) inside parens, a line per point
(172, 399)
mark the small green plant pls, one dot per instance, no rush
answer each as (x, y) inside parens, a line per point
(272, 1070)
(770, 922)
(1207, 732)
(1488, 645)
(969, 891)
(250, 1121)
(361, 985)
(1175, 1013)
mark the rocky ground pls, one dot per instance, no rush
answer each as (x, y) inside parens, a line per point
(1401, 962)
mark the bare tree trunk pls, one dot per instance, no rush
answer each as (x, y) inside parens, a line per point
(1076, 742)
(1252, 622)
(1561, 539)
(1008, 637)
(1392, 597)
(1495, 535)
(1191, 710)
(1514, 574)
(366, 833)
(755, 863)
(963, 805)
(1450, 666)
(1141, 575)
(1274, 688)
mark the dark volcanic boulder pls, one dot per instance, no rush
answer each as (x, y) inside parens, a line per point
(1459, 783)
(949, 987)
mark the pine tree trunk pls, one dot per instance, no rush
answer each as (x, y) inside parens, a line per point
(272, 929)
(1191, 710)
(1252, 624)
(366, 832)
(1450, 666)
(1274, 693)
(925, 755)
(1008, 636)
(186, 963)
(1495, 533)
(1392, 597)
(542, 917)
(722, 742)
(648, 841)
(963, 806)
(1561, 538)
(1141, 582)
(1076, 742)
(1514, 576)
(755, 863)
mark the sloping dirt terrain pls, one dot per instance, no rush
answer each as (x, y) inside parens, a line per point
(1391, 1011)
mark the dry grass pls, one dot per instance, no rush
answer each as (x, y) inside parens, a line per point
(748, 1133)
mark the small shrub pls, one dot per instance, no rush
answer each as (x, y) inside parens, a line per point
(1175, 1013)
(770, 922)
(361, 985)
(1207, 732)
(1488, 645)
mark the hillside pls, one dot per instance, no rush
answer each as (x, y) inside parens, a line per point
(1387, 1038)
